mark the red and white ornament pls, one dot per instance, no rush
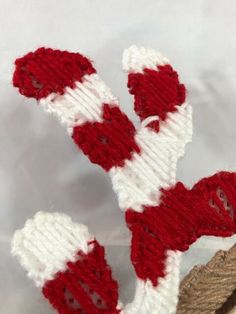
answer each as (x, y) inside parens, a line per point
(164, 216)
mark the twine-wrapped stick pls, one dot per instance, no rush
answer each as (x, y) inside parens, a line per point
(210, 288)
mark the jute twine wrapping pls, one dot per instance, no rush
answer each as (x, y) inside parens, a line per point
(211, 288)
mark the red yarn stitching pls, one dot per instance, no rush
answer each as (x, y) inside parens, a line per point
(47, 71)
(182, 217)
(156, 92)
(86, 287)
(108, 143)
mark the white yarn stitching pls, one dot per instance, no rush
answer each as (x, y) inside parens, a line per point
(139, 181)
(162, 299)
(135, 59)
(47, 243)
(81, 104)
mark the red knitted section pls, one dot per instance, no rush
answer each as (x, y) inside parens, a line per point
(156, 92)
(220, 192)
(86, 287)
(182, 217)
(108, 143)
(47, 71)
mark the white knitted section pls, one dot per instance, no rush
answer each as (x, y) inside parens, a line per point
(135, 59)
(80, 104)
(139, 181)
(161, 299)
(47, 242)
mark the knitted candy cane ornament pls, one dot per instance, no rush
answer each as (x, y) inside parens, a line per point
(164, 216)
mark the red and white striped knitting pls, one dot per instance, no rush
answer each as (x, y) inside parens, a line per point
(164, 216)
(67, 263)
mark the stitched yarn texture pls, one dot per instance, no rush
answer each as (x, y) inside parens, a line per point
(164, 216)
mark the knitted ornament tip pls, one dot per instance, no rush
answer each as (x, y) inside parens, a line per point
(67, 263)
(46, 71)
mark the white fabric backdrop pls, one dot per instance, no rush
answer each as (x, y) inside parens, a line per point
(40, 167)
